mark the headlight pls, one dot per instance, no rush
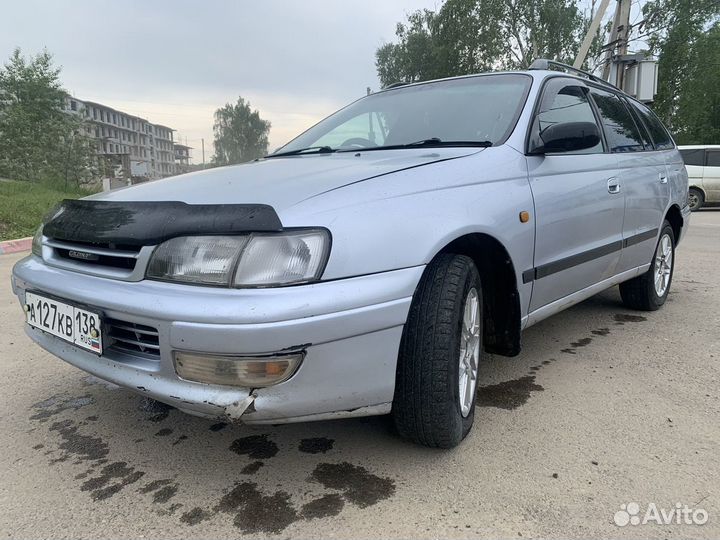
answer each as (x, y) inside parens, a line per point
(278, 259)
(197, 259)
(37, 242)
(255, 260)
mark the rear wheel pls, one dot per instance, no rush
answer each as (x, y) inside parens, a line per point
(434, 403)
(649, 291)
(695, 199)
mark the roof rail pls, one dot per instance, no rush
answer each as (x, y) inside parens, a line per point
(545, 64)
(395, 85)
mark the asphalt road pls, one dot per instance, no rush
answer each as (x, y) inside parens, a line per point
(604, 407)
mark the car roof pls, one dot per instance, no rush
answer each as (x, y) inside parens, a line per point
(698, 146)
(536, 74)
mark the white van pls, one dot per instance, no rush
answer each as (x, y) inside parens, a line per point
(703, 167)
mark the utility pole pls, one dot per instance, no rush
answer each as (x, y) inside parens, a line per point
(635, 74)
(592, 31)
(614, 71)
(202, 141)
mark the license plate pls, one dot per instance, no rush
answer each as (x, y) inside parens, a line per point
(74, 325)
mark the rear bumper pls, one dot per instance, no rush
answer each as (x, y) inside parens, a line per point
(350, 330)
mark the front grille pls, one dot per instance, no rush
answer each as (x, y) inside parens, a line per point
(102, 260)
(100, 245)
(134, 339)
(98, 255)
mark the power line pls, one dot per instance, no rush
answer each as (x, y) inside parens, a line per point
(640, 37)
(678, 19)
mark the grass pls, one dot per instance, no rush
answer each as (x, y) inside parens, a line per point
(23, 206)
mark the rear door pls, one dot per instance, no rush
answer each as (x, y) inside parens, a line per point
(711, 175)
(579, 204)
(642, 174)
(664, 144)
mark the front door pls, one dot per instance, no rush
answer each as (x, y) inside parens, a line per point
(579, 203)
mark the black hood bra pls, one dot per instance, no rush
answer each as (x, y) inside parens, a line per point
(144, 223)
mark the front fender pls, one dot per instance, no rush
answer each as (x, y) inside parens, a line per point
(404, 219)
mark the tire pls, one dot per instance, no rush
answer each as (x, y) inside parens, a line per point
(427, 407)
(696, 199)
(643, 293)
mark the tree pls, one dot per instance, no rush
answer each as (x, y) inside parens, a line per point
(77, 159)
(37, 138)
(240, 134)
(685, 34)
(470, 36)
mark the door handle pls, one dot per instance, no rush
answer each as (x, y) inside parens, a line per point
(663, 178)
(613, 186)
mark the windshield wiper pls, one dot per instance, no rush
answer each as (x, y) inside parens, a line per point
(317, 150)
(433, 142)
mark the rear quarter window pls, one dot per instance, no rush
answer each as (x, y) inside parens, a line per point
(660, 136)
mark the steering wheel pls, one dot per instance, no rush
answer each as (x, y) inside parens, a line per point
(359, 142)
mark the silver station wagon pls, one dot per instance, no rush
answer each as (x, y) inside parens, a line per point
(367, 266)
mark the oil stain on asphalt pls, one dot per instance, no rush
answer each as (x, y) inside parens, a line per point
(112, 478)
(255, 447)
(622, 318)
(509, 394)
(255, 512)
(252, 468)
(55, 405)
(85, 447)
(254, 509)
(318, 445)
(512, 394)
(323, 507)
(357, 485)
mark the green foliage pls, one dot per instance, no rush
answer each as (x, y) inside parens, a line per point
(77, 162)
(471, 36)
(686, 36)
(38, 140)
(240, 134)
(24, 204)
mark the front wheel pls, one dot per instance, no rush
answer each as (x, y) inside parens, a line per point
(434, 403)
(649, 291)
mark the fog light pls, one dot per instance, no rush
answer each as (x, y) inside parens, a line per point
(246, 371)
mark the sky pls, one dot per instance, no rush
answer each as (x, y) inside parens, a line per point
(175, 62)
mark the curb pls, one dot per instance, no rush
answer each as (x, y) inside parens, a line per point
(16, 246)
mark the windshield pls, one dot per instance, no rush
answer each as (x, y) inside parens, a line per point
(480, 109)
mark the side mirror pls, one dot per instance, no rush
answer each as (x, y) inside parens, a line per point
(565, 137)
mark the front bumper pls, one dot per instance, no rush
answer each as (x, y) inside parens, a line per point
(350, 330)
(685, 213)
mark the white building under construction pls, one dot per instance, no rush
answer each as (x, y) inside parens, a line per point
(129, 147)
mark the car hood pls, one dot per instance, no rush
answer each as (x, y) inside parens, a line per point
(283, 181)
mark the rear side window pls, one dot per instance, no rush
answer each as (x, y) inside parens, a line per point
(564, 101)
(713, 158)
(693, 157)
(661, 138)
(620, 129)
(644, 134)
